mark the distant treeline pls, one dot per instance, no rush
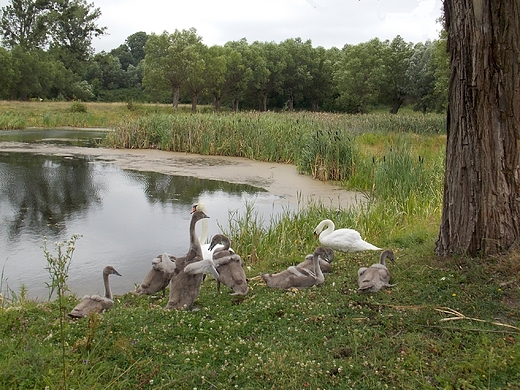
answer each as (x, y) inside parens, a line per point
(47, 54)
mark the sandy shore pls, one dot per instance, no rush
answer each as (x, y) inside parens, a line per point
(278, 179)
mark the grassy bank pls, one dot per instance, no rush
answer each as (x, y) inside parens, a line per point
(21, 115)
(449, 323)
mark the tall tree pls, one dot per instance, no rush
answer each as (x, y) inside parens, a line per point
(195, 71)
(358, 76)
(136, 43)
(74, 25)
(216, 73)
(238, 71)
(394, 82)
(297, 77)
(24, 23)
(166, 59)
(481, 205)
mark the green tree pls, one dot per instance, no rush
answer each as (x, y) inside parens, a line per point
(74, 25)
(321, 67)
(25, 23)
(216, 65)
(274, 66)
(7, 73)
(136, 44)
(394, 83)
(296, 75)
(238, 70)
(358, 76)
(165, 62)
(195, 83)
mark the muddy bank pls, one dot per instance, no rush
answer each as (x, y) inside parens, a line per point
(278, 179)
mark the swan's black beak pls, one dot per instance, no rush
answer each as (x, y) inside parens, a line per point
(193, 209)
(315, 234)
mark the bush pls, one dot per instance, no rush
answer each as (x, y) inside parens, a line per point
(78, 107)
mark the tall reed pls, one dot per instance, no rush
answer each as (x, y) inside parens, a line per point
(323, 145)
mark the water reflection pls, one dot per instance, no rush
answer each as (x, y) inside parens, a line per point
(85, 138)
(125, 217)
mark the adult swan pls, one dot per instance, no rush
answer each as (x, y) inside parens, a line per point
(343, 240)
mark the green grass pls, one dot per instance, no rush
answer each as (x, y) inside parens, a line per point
(325, 337)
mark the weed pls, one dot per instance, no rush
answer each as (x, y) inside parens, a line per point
(58, 268)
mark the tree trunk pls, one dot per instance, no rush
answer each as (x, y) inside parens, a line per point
(176, 95)
(396, 105)
(481, 205)
(263, 103)
(235, 104)
(217, 102)
(194, 100)
(291, 103)
(315, 105)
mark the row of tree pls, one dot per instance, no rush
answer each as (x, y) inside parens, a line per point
(48, 54)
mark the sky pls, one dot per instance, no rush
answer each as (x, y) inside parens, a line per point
(326, 23)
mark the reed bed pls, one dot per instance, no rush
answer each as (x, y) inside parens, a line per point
(322, 145)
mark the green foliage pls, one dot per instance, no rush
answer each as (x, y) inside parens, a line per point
(78, 107)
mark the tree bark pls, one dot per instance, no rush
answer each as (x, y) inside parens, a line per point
(481, 205)
(176, 95)
(194, 101)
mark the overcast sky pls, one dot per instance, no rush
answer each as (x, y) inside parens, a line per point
(326, 23)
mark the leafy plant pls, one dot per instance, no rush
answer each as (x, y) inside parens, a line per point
(78, 107)
(58, 268)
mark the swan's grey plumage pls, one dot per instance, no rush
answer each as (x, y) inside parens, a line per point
(96, 303)
(377, 276)
(325, 265)
(157, 279)
(229, 265)
(343, 240)
(296, 277)
(185, 288)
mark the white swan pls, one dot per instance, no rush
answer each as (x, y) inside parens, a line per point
(295, 277)
(207, 253)
(377, 276)
(343, 240)
(96, 303)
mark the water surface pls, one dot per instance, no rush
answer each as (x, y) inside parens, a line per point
(125, 218)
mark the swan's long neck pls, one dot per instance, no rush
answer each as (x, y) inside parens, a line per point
(317, 268)
(203, 232)
(108, 292)
(194, 242)
(329, 228)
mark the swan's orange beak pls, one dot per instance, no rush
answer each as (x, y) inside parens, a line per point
(315, 235)
(193, 209)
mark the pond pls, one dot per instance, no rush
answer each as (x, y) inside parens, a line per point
(124, 217)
